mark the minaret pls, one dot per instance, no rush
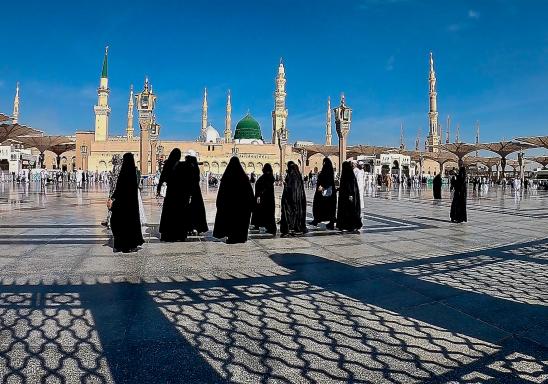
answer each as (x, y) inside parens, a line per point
(228, 119)
(15, 115)
(204, 117)
(328, 135)
(448, 135)
(102, 110)
(279, 114)
(402, 143)
(457, 138)
(129, 129)
(433, 133)
(477, 134)
(418, 140)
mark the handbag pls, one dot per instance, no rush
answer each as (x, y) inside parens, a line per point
(163, 190)
(327, 192)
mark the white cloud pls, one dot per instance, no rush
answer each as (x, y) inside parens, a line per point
(472, 14)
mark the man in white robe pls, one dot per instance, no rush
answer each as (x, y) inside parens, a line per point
(360, 178)
(79, 175)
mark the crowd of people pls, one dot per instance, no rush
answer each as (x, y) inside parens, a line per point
(238, 205)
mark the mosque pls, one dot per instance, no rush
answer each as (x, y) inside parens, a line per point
(94, 149)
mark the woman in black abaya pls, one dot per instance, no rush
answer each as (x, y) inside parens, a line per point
(125, 221)
(436, 186)
(325, 197)
(349, 209)
(198, 221)
(263, 215)
(175, 222)
(172, 160)
(235, 203)
(458, 205)
(293, 221)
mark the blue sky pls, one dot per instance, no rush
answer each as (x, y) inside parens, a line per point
(491, 63)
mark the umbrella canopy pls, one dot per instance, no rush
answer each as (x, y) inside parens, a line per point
(459, 149)
(59, 149)
(4, 117)
(13, 131)
(536, 141)
(504, 148)
(441, 157)
(542, 160)
(368, 150)
(311, 150)
(43, 143)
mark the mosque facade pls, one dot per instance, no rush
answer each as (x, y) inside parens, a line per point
(95, 149)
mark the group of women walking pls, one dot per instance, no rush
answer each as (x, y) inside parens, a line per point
(183, 211)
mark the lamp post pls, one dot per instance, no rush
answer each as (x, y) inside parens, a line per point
(84, 153)
(521, 162)
(160, 156)
(282, 141)
(343, 117)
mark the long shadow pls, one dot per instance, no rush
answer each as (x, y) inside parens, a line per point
(386, 320)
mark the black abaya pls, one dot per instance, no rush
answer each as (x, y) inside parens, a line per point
(324, 207)
(235, 203)
(349, 209)
(125, 221)
(263, 215)
(198, 221)
(293, 203)
(458, 205)
(172, 160)
(175, 222)
(436, 186)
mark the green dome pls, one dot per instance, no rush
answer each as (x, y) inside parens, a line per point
(248, 129)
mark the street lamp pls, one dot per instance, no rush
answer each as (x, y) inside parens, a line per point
(343, 117)
(84, 153)
(160, 155)
(282, 142)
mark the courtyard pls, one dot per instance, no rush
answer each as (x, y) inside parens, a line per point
(411, 298)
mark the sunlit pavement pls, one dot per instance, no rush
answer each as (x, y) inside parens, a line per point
(412, 298)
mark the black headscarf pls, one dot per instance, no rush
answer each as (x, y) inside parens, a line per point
(125, 219)
(349, 210)
(172, 160)
(263, 215)
(293, 202)
(198, 220)
(235, 202)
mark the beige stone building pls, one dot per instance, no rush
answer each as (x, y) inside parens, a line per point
(94, 149)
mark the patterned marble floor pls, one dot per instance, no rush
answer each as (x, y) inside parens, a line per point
(412, 298)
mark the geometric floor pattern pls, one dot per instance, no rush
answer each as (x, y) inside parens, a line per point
(412, 298)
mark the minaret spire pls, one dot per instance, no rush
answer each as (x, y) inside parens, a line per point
(15, 115)
(129, 129)
(402, 141)
(104, 71)
(279, 114)
(328, 134)
(477, 134)
(433, 133)
(418, 140)
(204, 117)
(102, 109)
(228, 119)
(448, 136)
(457, 138)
